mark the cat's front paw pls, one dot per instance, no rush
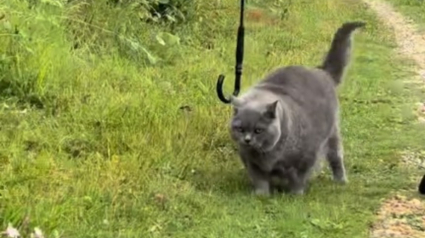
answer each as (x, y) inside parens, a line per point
(299, 191)
(341, 180)
(262, 192)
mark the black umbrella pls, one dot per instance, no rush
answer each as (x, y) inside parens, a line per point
(239, 61)
(421, 186)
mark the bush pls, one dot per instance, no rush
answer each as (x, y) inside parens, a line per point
(143, 31)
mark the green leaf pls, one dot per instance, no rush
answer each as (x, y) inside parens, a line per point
(170, 18)
(159, 39)
(170, 39)
(151, 58)
(7, 25)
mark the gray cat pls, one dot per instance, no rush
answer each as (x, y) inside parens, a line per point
(286, 122)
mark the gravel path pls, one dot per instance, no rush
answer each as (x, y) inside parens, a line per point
(400, 216)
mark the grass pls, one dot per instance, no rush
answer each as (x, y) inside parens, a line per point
(98, 139)
(414, 9)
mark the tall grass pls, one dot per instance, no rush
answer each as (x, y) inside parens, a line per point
(101, 99)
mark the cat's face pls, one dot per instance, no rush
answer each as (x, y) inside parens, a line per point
(257, 127)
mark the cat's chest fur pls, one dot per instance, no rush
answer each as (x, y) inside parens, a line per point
(264, 161)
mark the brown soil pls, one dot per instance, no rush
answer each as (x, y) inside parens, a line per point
(400, 217)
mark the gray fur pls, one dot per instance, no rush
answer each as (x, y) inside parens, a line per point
(286, 122)
(339, 53)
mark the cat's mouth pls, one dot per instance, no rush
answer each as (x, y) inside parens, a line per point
(254, 147)
(248, 145)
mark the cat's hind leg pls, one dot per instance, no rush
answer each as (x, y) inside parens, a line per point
(335, 157)
(297, 179)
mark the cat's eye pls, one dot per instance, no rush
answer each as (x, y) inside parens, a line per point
(240, 129)
(258, 131)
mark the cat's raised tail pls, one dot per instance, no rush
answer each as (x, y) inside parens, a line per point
(338, 56)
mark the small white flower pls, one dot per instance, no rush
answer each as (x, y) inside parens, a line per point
(38, 233)
(11, 232)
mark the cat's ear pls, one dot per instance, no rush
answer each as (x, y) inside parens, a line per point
(236, 102)
(271, 110)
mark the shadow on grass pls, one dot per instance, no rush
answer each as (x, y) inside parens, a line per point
(235, 181)
(228, 181)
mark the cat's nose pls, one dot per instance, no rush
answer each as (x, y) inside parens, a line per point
(247, 139)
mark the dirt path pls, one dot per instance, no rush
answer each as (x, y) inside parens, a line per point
(410, 42)
(400, 216)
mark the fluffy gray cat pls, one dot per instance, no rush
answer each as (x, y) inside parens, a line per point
(287, 121)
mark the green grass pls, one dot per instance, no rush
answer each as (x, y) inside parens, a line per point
(106, 151)
(414, 9)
